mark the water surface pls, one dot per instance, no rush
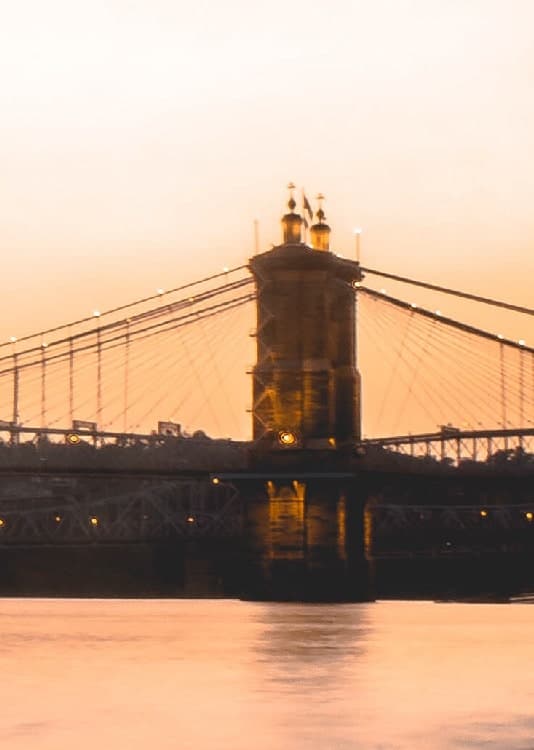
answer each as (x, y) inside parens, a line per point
(229, 675)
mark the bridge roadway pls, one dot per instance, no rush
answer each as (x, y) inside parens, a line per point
(151, 487)
(133, 454)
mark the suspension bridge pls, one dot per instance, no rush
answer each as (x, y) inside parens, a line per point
(138, 371)
(145, 422)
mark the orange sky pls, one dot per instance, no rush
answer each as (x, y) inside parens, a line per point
(140, 141)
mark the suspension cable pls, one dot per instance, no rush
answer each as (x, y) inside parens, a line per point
(135, 319)
(119, 338)
(445, 320)
(159, 295)
(454, 292)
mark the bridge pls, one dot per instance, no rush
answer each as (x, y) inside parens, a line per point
(116, 427)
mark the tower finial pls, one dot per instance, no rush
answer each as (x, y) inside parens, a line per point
(320, 232)
(291, 202)
(320, 213)
(291, 222)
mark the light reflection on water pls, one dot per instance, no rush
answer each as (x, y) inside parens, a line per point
(226, 674)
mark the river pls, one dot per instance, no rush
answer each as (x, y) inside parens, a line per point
(229, 675)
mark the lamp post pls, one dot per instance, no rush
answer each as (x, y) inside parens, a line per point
(357, 234)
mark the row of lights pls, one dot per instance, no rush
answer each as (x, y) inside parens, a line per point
(357, 285)
(357, 232)
(93, 520)
(529, 515)
(97, 313)
(483, 513)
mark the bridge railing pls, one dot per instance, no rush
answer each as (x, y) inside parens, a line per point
(456, 447)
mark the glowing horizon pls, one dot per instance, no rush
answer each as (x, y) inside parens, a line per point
(142, 142)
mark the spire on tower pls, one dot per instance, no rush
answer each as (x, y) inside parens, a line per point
(320, 232)
(291, 202)
(291, 222)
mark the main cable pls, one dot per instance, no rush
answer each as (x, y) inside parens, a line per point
(127, 306)
(446, 320)
(447, 290)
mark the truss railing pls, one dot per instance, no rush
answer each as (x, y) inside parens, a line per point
(163, 510)
(456, 446)
(466, 530)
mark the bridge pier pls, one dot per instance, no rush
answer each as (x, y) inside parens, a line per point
(304, 538)
(303, 523)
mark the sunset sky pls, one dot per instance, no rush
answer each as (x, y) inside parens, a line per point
(140, 140)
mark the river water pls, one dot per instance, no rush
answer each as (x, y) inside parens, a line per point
(229, 675)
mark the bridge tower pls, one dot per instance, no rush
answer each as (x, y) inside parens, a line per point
(306, 386)
(304, 526)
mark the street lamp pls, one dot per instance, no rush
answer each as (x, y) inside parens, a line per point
(357, 234)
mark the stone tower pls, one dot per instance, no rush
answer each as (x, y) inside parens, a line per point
(303, 507)
(306, 386)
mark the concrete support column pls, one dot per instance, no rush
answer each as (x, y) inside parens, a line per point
(304, 539)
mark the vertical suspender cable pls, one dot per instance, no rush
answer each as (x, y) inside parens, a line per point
(126, 376)
(503, 392)
(521, 394)
(98, 379)
(15, 416)
(43, 385)
(71, 380)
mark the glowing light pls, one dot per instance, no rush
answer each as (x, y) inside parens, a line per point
(521, 342)
(529, 515)
(382, 291)
(96, 313)
(357, 230)
(286, 437)
(215, 480)
(190, 519)
(413, 305)
(332, 442)
(356, 284)
(44, 345)
(94, 521)
(438, 312)
(57, 519)
(72, 438)
(13, 339)
(160, 291)
(2, 522)
(500, 336)
(225, 269)
(483, 513)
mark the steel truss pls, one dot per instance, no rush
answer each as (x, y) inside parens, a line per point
(160, 510)
(497, 447)
(450, 530)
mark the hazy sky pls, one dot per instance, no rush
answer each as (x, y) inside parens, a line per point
(141, 139)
